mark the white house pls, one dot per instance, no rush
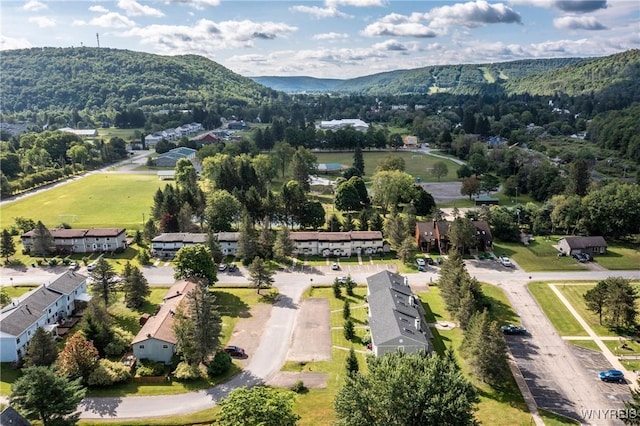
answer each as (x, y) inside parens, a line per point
(591, 245)
(337, 243)
(168, 244)
(396, 316)
(46, 306)
(356, 123)
(156, 340)
(82, 240)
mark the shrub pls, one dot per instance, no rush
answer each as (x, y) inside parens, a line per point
(119, 343)
(107, 373)
(186, 371)
(346, 310)
(299, 387)
(337, 291)
(349, 329)
(220, 364)
(366, 339)
(144, 257)
(146, 368)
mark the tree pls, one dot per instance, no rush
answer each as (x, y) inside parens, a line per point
(440, 394)
(135, 286)
(42, 349)
(303, 164)
(440, 169)
(221, 210)
(96, 325)
(349, 329)
(257, 406)
(283, 245)
(489, 183)
(352, 363)
(422, 201)
(78, 358)
(213, 245)
(579, 178)
(406, 249)
(103, 280)
(391, 163)
(462, 234)
(358, 161)
(486, 349)
(42, 240)
(247, 247)
(197, 325)
(596, 298)
(260, 274)
(478, 163)
(395, 230)
(346, 309)
(390, 187)
(632, 406)
(620, 308)
(7, 246)
(347, 198)
(195, 262)
(470, 186)
(41, 393)
(283, 152)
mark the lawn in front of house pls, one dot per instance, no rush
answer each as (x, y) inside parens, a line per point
(574, 293)
(620, 256)
(95, 201)
(539, 255)
(555, 311)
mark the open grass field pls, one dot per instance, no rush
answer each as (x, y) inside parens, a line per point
(100, 201)
(621, 256)
(539, 255)
(587, 344)
(112, 132)
(417, 165)
(555, 311)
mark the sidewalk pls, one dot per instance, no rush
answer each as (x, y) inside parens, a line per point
(631, 377)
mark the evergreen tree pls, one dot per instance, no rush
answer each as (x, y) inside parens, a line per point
(40, 392)
(42, 349)
(632, 406)
(349, 329)
(337, 291)
(349, 284)
(395, 230)
(486, 349)
(135, 286)
(265, 243)
(579, 178)
(260, 274)
(406, 250)
(358, 160)
(103, 280)
(376, 223)
(283, 246)
(42, 240)
(334, 224)
(213, 245)
(462, 234)
(150, 230)
(7, 246)
(346, 309)
(247, 241)
(352, 363)
(96, 325)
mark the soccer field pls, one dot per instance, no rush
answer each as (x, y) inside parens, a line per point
(100, 201)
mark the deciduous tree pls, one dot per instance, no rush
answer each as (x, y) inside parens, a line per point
(440, 394)
(195, 262)
(78, 358)
(258, 406)
(470, 186)
(439, 169)
(40, 392)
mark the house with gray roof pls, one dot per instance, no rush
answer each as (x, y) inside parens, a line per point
(591, 245)
(82, 240)
(167, 244)
(46, 306)
(10, 417)
(396, 316)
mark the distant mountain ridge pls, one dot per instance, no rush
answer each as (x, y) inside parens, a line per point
(299, 84)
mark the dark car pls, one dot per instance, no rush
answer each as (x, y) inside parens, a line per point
(513, 329)
(235, 351)
(612, 376)
(233, 267)
(430, 261)
(580, 257)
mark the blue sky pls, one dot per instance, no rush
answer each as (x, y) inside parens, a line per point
(330, 38)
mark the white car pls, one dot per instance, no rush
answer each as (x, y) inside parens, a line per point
(505, 261)
(421, 262)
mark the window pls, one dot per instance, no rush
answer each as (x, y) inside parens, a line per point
(18, 340)
(141, 346)
(165, 346)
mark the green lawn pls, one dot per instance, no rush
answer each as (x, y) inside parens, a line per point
(100, 201)
(574, 294)
(587, 344)
(553, 419)
(417, 165)
(112, 132)
(620, 256)
(555, 311)
(539, 255)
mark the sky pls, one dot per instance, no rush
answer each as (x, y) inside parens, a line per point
(329, 38)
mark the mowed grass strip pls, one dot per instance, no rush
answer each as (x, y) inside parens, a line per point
(104, 200)
(620, 256)
(539, 255)
(556, 312)
(574, 293)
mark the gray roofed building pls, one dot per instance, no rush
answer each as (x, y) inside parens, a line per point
(591, 245)
(396, 316)
(67, 283)
(16, 318)
(10, 417)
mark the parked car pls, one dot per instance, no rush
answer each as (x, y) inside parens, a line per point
(342, 280)
(335, 266)
(91, 266)
(513, 329)
(421, 262)
(612, 376)
(235, 351)
(580, 257)
(73, 266)
(505, 261)
(430, 261)
(222, 267)
(233, 267)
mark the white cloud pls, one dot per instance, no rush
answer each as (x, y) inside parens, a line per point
(108, 20)
(98, 9)
(207, 36)
(331, 36)
(574, 6)
(196, 4)
(406, 29)
(391, 45)
(42, 21)
(355, 3)
(319, 12)
(472, 14)
(133, 8)
(34, 6)
(578, 23)
(10, 43)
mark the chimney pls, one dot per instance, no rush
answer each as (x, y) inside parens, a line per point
(406, 281)
(418, 324)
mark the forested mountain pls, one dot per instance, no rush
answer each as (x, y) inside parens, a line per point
(98, 78)
(298, 84)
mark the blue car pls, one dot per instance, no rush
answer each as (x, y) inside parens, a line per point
(612, 376)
